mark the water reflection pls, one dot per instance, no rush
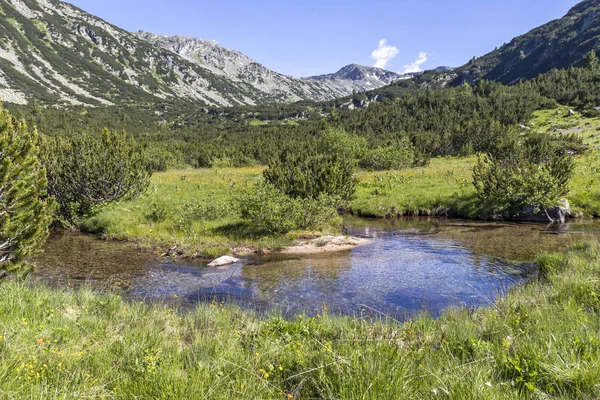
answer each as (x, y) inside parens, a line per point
(410, 265)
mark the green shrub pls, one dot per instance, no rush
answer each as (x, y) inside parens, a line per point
(325, 168)
(519, 172)
(86, 172)
(391, 157)
(160, 158)
(25, 212)
(221, 162)
(208, 209)
(158, 211)
(269, 211)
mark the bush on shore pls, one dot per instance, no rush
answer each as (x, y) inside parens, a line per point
(520, 172)
(324, 168)
(269, 211)
(86, 172)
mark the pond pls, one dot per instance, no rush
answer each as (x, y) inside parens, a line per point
(409, 265)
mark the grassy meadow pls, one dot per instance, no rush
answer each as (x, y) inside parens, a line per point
(540, 342)
(189, 208)
(194, 209)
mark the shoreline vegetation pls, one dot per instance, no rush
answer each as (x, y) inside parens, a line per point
(442, 189)
(191, 212)
(539, 341)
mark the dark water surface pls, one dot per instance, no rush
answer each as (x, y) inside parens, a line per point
(410, 265)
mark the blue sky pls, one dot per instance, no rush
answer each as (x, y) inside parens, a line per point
(310, 37)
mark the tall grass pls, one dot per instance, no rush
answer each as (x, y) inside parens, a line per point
(541, 342)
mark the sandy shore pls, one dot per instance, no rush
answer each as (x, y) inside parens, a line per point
(325, 244)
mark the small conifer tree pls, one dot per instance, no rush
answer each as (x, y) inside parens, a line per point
(25, 213)
(86, 172)
(591, 61)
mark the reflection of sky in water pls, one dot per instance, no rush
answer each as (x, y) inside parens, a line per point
(408, 267)
(394, 274)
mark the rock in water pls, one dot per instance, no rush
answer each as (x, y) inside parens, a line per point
(222, 261)
(556, 214)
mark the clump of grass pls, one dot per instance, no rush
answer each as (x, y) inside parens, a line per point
(444, 188)
(215, 252)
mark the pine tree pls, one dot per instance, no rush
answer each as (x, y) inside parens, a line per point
(25, 214)
(591, 61)
(86, 172)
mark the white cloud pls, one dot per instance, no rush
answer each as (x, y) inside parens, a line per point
(384, 54)
(416, 66)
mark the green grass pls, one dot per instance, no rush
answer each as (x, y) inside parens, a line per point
(442, 188)
(192, 209)
(445, 186)
(540, 342)
(585, 185)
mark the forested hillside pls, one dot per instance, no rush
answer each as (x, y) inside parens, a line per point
(558, 44)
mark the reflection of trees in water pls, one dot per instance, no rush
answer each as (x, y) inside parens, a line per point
(72, 256)
(509, 241)
(519, 243)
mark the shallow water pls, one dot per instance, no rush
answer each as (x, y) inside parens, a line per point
(410, 265)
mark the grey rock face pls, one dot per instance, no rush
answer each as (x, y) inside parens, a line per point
(241, 68)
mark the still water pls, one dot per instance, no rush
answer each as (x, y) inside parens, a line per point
(409, 265)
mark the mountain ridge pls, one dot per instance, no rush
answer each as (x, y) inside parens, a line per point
(560, 43)
(241, 68)
(55, 53)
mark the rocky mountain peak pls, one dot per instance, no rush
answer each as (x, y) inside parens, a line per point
(360, 77)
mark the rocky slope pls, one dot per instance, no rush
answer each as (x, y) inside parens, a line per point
(54, 53)
(241, 68)
(558, 44)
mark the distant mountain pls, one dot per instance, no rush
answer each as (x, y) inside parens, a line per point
(55, 53)
(558, 44)
(240, 68)
(358, 78)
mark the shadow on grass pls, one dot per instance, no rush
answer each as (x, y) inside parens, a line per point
(470, 206)
(240, 231)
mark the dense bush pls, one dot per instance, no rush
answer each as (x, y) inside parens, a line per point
(519, 172)
(269, 211)
(208, 209)
(392, 157)
(25, 213)
(158, 157)
(579, 87)
(85, 172)
(325, 167)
